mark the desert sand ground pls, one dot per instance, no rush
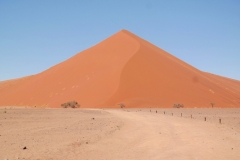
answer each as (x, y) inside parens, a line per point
(108, 134)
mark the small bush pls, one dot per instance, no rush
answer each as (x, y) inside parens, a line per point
(178, 105)
(212, 104)
(72, 104)
(122, 105)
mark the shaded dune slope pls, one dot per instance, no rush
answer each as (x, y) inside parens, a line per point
(123, 68)
(155, 78)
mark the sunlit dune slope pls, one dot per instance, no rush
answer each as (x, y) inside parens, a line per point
(122, 69)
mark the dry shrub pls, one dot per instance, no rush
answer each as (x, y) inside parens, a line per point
(72, 104)
(178, 105)
(212, 104)
(122, 105)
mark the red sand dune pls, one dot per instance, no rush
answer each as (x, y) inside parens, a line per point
(123, 68)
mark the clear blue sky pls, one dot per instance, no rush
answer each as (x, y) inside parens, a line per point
(35, 35)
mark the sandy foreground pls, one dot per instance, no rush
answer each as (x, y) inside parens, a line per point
(112, 134)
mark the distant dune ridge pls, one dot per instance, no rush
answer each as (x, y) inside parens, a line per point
(122, 69)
